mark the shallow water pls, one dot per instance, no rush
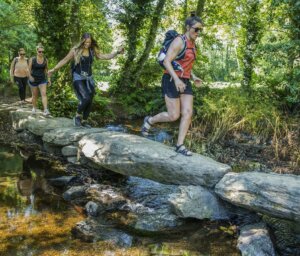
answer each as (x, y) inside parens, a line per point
(35, 220)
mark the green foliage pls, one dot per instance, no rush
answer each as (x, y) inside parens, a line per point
(101, 111)
(143, 101)
(16, 31)
(220, 112)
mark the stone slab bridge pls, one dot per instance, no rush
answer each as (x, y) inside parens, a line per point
(204, 179)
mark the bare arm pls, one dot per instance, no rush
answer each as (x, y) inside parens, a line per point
(64, 61)
(174, 49)
(11, 71)
(29, 70)
(46, 73)
(109, 55)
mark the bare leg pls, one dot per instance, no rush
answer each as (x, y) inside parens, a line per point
(43, 90)
(172, 114)
(35, 94)
(186, 103)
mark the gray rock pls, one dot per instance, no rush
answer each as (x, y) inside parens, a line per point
(90, 230)
(61, 181)
(197, 202)
(21, 118)
(69, 150)
(136, 156)
(74, 192)
(149, 207)
(160, 220)
(106, 197)
(254, 240)
(37, 123)
(68, 136)
(52, 149)
(273, 194)
(72, 159)
(92, 209)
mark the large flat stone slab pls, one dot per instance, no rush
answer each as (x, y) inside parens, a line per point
(276, 195)
(136, 156)
(37, 123)
(67, 136)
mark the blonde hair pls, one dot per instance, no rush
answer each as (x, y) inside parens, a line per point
(21, 49)
(39, 46)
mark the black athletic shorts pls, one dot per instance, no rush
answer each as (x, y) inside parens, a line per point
(168, 87)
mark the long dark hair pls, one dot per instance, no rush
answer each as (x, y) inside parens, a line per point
(79, 47)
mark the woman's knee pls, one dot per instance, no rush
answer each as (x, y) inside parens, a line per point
(35, 93)
(173, 116)
(44, 94)
(187, 113)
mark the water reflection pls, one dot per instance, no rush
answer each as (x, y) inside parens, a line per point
(34, 220)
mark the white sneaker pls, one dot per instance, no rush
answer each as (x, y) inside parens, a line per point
(33, 111)
(46, 112)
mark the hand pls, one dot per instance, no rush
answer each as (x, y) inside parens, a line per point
(31, 79)
(50, 72)
(180, 86)
(121, 50)
(197, 82)
(49, 82)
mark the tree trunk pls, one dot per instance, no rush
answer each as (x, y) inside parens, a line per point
(184, 15)
(75, 21)
(252, 39)
(200, 7)
(150, 40)
(132, 69)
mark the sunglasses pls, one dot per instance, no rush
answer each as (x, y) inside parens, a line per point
(22, 54)
(40, 51)
(197, 29)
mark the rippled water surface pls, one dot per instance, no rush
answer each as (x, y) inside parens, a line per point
(35, 220)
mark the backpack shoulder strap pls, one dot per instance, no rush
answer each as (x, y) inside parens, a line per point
(182, 52)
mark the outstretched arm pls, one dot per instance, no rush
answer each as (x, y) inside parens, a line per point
(64, 61)
(12, 65)
(110, 55)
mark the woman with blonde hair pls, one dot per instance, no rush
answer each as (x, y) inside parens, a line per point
(19, 73)
(38, 67)
(83, 55)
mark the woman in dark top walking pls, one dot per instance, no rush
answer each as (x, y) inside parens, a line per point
(38, 67)
(83, 55)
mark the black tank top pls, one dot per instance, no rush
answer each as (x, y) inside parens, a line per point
(85, 64)
(38, 70)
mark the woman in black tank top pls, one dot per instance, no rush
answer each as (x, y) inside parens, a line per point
(83, 83)
(38, 67)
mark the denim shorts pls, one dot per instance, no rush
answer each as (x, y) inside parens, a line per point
(168, 87)
(38, 83)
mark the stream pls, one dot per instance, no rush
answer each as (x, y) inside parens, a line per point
(36, 220)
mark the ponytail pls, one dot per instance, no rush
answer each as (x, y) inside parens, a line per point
(193, 19)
